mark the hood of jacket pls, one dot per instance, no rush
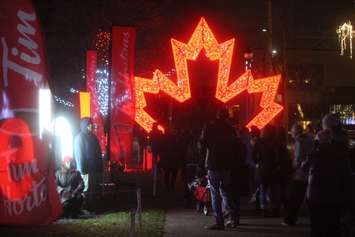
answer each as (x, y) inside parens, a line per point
(84, 124)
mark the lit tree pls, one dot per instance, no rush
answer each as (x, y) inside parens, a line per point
(102, 46)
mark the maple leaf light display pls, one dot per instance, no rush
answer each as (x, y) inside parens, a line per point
(203, 38)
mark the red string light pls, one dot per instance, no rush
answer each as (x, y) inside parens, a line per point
(142, 86)
(268, 87)
(203, 38)
(102, 45)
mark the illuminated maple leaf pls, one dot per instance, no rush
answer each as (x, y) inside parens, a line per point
(203, 38)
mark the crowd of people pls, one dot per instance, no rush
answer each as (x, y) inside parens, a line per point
(278, 178)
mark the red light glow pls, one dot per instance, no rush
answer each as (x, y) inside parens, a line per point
(203, 38)
(16, 154)
(268, 87)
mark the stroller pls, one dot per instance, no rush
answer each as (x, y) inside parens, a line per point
(200, 189)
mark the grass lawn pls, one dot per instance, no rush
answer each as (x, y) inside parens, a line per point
(106, 225)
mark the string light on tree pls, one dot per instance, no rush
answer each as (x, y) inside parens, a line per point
(74, 91)
(102, 46)
(203, 38)
(345, 35)
(102, 88)
(63, 102)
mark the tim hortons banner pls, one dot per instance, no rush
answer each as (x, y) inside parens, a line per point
(122, 100)
(91, 66)
(28, 192)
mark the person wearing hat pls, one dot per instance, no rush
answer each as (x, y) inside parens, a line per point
(70, 187)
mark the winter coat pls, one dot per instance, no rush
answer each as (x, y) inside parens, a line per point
(329, 175)
(69, 184)
(265, 154)
(87, 151)
(220, 139)
(169, 154)
(303, 148)
(248, 150)
(284, 168)
(155, 140)
(193, 152)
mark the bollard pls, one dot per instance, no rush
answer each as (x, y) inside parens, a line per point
(155, 179)
(132, 230)
(139, 208)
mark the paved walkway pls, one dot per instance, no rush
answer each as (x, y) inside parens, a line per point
(182, 222)
(187, 222)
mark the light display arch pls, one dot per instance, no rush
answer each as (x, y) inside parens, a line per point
(204, 39)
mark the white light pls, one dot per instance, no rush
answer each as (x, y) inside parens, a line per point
(45, 113)
(345, 34)
(264, 30)
(63, 130)
(5, 111)
(102, 87)
(63, 102)
(274, 51)
(74, 91)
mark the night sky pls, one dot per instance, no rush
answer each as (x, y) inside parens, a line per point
(70, 28)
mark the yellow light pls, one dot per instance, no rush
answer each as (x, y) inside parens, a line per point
(300, 111)
(84, 104)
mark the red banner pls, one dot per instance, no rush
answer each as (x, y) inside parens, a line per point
(28, 192)
(122, 100)
(91, 66)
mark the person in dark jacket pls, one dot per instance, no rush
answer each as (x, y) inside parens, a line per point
(249, 163)
(283, 172)
(302, 149)
(155, 139)
(169, 160)
(255, 134)
(239, 179)
(329, 192)
(219, 138)
(70, 187)
(265, 155)
(155, 142)
(88, 159)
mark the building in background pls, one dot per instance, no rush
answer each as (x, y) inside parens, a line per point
(318, 80)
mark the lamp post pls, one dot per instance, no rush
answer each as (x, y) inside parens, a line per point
(248, 57)
(269, 38)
